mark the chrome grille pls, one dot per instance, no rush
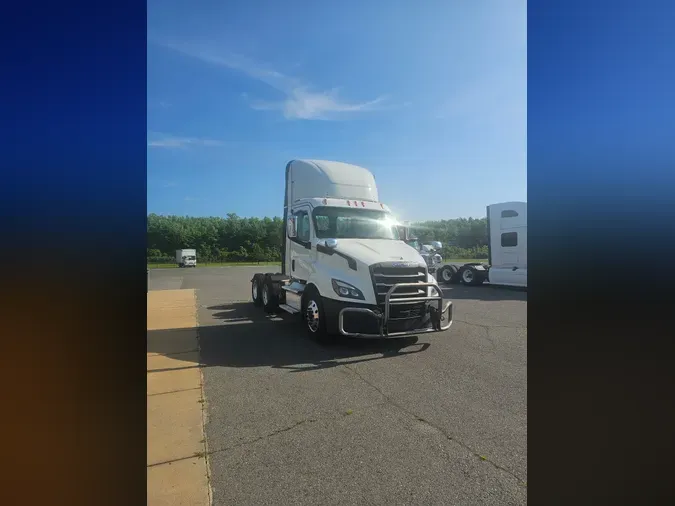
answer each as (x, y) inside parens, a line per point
(386, 275)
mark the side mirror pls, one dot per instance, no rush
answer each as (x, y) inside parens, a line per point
(291, 227)
(403, 232)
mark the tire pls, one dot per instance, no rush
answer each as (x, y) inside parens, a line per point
(455, 274)
(312, 310)
(447, 274)
(256, 290)
(270, 300)
(469, 276)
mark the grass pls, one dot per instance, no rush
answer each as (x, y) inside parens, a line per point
(230, 264)
(464, 260)
(212, 264)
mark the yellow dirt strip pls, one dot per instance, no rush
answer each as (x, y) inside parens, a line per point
(177, 470)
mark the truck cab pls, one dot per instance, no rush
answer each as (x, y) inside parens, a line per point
(507, 250)
(507, 243)
(427, 252)
(345, 268)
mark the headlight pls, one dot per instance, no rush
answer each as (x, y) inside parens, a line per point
(438, 259)
(346, 290)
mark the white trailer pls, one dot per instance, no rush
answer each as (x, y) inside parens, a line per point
(186, 258)
(345, 269)
(507, 251)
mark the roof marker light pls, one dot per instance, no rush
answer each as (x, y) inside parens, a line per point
(325, 201)
(363, 204)
(348, 203)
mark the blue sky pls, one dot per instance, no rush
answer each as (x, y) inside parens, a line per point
(431, 97)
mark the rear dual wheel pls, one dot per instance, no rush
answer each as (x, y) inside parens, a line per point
(262, 293)
(470, 276)
(256, 290)
(270, 300)
(448, 274)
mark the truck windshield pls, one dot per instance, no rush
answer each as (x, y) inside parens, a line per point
(345, 223)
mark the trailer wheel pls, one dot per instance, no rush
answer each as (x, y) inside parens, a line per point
(314, 318)
(256, 290)
(470, 276)
(269, 299)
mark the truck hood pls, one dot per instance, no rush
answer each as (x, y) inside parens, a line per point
(372, 251)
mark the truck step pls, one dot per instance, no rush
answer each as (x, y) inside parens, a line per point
(294, 287)
(288, 309)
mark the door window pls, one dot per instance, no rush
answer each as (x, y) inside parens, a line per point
(303, 225)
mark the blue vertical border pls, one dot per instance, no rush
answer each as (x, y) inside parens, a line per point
(73, 207)
(601, 184)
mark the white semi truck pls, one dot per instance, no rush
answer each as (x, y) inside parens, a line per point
(345, 269)
(186, 257)
(507, 251)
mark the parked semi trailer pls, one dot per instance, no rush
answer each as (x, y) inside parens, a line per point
(507, 251)
(345, 270)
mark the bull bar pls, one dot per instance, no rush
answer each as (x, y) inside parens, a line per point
(437, 324)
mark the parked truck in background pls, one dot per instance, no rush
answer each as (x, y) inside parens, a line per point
(345, 270)
(426, 251)
(507, 250)
(186, 258)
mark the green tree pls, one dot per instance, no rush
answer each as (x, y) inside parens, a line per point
(232, 238)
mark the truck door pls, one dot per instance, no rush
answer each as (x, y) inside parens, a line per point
(300, 246)
(513, 255)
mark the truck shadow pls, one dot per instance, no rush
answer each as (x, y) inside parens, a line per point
(483, 293)
(248, 337)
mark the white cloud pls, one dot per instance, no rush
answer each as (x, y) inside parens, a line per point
(300, 101)
(171, 142)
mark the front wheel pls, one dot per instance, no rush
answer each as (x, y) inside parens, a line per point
(314, 318)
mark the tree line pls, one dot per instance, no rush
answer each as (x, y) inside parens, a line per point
(236, 239)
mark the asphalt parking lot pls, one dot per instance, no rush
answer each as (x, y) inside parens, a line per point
(437, 420)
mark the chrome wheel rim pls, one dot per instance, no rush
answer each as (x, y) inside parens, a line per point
(468, 276)
(446, 275)
(313, 316)
(265, 295)
(254, 290)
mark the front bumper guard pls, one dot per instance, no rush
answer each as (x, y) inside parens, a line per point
(443, 311)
